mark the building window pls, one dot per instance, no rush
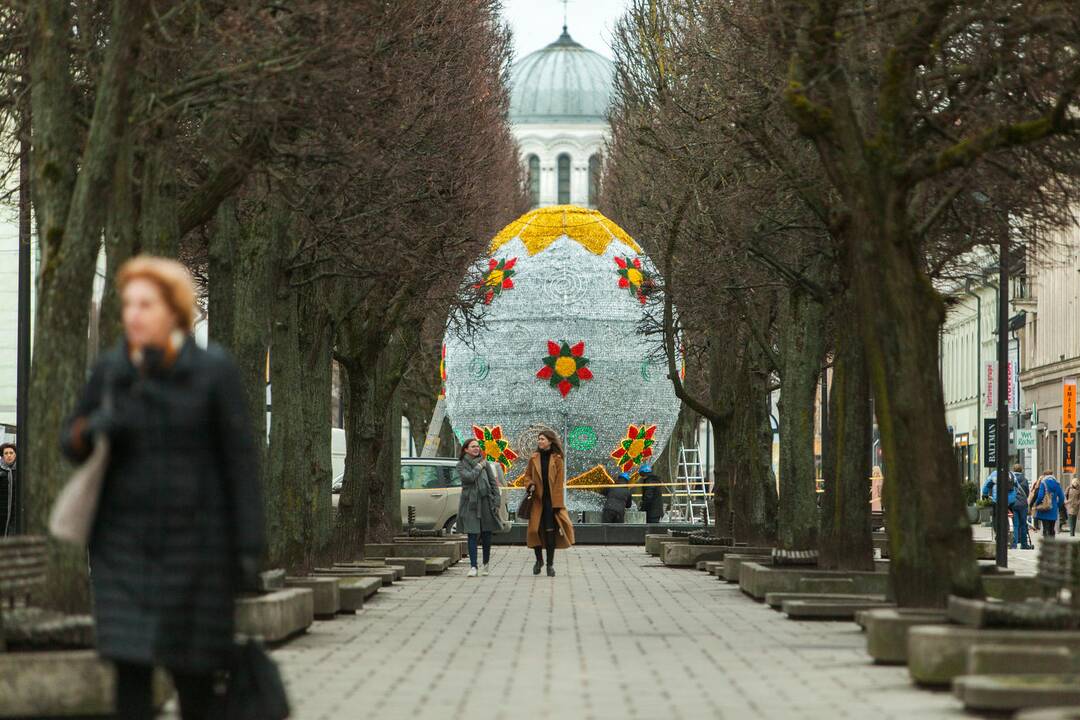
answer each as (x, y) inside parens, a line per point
(594, 179)
(564, 179)
(534, 180)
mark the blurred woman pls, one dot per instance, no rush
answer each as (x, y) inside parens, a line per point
(549, 523)
(179, 525)
(478, 508)
(1045, 499)
(1072, 503)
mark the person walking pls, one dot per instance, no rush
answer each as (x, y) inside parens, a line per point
(549, 523)
(617, 500)
(1018, 503)
(9, 491)
(1045, 497)
(179, 528)
(989, 491)
(478, 508)
(652, 495)
(1072, 503)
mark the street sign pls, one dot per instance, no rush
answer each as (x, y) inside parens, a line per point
(990, 442)
(1025, 439)
(990, 378)
(1068, 426)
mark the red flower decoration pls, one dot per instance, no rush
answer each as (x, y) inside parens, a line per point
(499, 277)
(634, 278)
(635, 448)
(496, 448)
(565, 366)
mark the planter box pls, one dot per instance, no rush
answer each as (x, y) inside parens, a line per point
(938, 654)
(887, 630)
(758, 580)
(686, 555)
(64, 683)
(451, 549)
(326, 596)
(277, 615)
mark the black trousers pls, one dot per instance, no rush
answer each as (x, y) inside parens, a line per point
(134, 693)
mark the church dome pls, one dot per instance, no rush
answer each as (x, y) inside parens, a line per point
(563, 82)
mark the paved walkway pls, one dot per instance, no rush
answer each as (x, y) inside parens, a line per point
(615, 635)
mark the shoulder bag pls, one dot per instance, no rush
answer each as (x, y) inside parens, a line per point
(526, 504)
(73, 513)
(502, 512)
(254, 690)
(1047, 501)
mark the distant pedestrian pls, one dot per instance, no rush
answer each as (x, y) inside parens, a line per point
(652, 495)
(1045, 498)
(617, 500)
(1072, 503)
(9, 490)
(179, 529)
(989, 491)
(1018, 503)
(478, 508)
(549, 523)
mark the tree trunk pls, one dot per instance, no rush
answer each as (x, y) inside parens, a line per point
(316, 341)
(846, 542)
(121, 240)
(801, 349)
(221, 303)
(384, 507)
(70, 210)
(361, 450)
(900, 314)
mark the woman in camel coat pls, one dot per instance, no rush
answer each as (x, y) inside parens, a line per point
(549, 524)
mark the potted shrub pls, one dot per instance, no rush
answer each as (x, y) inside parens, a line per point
(971, 497)
(986, 512)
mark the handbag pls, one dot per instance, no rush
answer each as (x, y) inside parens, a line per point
(254, 690)
(1047, 501)
(73, 513)
(502, 512)
(526, 505)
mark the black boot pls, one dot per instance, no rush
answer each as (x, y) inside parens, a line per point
(551, 571)
(539, 562)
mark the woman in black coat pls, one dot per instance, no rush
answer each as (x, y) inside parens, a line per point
(179, 523)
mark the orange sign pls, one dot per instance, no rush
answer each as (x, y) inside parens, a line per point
(1068, 426)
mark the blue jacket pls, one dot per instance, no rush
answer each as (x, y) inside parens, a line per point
(1050, 485)
(990, 487)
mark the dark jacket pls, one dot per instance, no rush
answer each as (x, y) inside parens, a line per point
(652, 498)
(9, 489)
(180, 506)
(617, 498)
(478, 507)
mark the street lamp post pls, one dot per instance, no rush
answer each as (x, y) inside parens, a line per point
(1003, 477)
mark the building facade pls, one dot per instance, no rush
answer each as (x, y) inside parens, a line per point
(559, 99)
(1051, 339)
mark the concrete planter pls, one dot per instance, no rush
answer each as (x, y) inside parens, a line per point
(63, 684)
(686, 555)
(277, 615)
(887, 630)
(758, 580)
(938, 654)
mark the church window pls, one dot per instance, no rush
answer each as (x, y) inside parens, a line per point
(594, 179)
(534, 181)
(564, 179)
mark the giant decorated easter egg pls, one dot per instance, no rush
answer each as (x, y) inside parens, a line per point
(564, 292)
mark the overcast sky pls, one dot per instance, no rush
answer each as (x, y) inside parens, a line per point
(538, 22)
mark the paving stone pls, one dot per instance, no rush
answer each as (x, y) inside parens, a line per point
(512, 646)
(887, 630)
(63, 683)
(276, 616)
(326, 595)
(1015, 691)
(937, 654)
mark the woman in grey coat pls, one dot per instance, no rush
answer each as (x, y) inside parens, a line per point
(478, 510)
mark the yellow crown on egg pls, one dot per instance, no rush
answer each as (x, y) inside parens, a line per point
(539, 228)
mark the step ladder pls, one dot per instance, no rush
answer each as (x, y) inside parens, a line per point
(691, 496)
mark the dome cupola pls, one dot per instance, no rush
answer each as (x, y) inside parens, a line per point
(561, 83)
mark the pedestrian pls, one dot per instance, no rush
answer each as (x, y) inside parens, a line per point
(652, 496)
(549, 523)
(178, 530)
(9, 491)
(1072, 503)
(478, 507)
(1044, 500)
(989, 491)
(617, 500)
(1018, 503)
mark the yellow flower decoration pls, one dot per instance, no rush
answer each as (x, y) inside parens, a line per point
(538, 228)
